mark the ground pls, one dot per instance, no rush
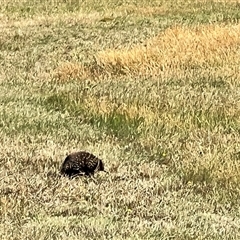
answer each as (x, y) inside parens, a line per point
(150, 87)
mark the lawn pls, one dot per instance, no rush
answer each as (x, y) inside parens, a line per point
(150, 87)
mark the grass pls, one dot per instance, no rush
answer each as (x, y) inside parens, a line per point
(151, 87)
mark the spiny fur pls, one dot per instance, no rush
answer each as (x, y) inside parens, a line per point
(81, 163)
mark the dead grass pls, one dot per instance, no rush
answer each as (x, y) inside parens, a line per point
(70, 70)
(175, 49)
(178, 47)
(153, 90)
(220, 1)
(53, 19)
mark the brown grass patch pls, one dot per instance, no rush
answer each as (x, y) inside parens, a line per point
(178, 48)
(220, 1)
(71, 70)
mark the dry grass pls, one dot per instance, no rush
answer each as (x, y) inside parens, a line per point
(179, 47)
(152, 89)
(73, 18)
(175, 49)
(220, 1)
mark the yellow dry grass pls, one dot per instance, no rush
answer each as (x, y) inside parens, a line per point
(69, 70)
(220, 1)
(177, 48)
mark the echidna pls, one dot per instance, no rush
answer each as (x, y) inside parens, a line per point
(80, 163)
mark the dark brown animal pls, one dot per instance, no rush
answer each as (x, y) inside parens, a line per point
(81, 163)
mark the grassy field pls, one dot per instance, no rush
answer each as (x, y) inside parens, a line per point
(151, 87)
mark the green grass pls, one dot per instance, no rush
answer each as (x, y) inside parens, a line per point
(168, 133)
